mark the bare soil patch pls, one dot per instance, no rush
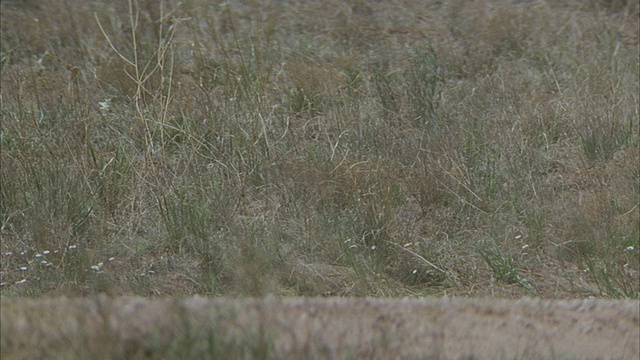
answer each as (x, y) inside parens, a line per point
(131, 327)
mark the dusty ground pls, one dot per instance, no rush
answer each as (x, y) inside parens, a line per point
(320, 328)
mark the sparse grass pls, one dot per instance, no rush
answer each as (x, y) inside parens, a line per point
(320, 148)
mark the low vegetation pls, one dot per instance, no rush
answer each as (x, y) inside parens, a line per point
(320, 148)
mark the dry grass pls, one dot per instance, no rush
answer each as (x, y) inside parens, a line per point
(321, 148)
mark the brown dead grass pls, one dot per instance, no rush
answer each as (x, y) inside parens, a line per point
(320, 148)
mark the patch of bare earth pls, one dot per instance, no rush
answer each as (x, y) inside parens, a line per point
(339, 328)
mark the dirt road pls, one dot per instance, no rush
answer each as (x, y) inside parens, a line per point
(320, 328)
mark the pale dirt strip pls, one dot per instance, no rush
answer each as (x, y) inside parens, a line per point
(323, 327)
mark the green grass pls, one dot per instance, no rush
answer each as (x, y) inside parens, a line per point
(320, 149)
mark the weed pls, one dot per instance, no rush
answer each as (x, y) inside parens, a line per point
(504, 268)
(613, 282)
(425, 83)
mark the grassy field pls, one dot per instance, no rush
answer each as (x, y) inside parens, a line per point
(320, 148)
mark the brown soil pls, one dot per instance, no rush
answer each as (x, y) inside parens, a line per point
(321, 328)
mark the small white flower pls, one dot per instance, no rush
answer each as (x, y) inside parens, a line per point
(354, 246)
(518, 237)
(44, 262)
(8, 254)
(373, 248)
(415, 271)
(46, 252)
(72, 247)
(38, 256)
(525, 246)
(24, 268)
(21, 282)
(105, 104)
(111, 259)
(630, 248)
(408, 244)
